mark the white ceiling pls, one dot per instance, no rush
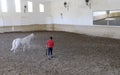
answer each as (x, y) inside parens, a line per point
(45, 0)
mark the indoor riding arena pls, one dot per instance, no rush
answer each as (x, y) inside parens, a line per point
(74, 54)
(84, 34)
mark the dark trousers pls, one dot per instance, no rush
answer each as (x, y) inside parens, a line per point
(50, 52)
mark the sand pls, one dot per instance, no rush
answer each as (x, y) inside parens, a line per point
(74, 54)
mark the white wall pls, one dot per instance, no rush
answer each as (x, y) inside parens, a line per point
(12, 18)
(77, 14)
(105, 4)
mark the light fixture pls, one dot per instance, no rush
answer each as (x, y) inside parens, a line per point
(25, 8)
(66, 5)
(87, 1)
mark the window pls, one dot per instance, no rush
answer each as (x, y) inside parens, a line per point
(41, 8)
(108, 17)
(115, 11)
(4, 5)
(30, 6)
(17, 6)
(99, 13)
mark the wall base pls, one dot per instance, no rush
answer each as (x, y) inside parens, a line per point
(102, 31)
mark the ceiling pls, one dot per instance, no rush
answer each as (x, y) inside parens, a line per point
(45, 0)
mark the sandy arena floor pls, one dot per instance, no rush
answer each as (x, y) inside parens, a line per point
(74, 54)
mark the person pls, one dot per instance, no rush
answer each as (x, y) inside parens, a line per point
(50, 45)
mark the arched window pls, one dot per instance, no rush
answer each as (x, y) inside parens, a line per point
(17, 6)
(4, 6)
(41, 7)
(30, 6)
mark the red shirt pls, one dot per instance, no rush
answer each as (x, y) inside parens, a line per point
(50, 43)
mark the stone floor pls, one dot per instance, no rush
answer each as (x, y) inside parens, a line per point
(74, 54)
